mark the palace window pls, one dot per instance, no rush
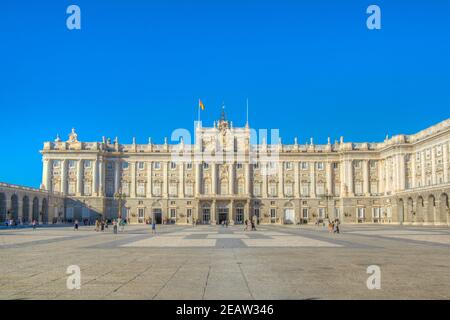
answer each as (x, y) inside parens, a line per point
(376, 212)
(141, 165)
(273, 189)
(357, 164)
(241, 186)
(319, 165)
(206, 187)
(304, 165)
(305, 190)
(56, 163)
(358, 187)
(173, 213)
(126, 188)
(288, 165)
(189, 166)
(257, 189)
(188, 213)
(374, 187)
(173, 165)
(205, 165)
(173, 189)
(189, 190)
(156, 189)
(361, 213)
(305, 213)
(223, 187)
(256, 165)
(288, 189)
(320, 189)
(256, 212)
(335, 165)
(373, 164)
(125, 165)
(321, 213)
(72, 164)
(87, 188)
(273, 214)
(87, 163)
(109, 189)
(156, 165)
(140, 189)
(71, 191)
(239, 215)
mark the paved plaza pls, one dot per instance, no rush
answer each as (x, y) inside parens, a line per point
(214, 262)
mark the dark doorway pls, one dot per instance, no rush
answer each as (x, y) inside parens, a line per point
(223, 215)
(157, 215)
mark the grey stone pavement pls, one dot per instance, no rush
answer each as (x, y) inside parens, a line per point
(213, 262)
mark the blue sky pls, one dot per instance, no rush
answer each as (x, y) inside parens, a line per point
(137, 68)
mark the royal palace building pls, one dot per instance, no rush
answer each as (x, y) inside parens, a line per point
(232, 173)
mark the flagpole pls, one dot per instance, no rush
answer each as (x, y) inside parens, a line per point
(198, 112)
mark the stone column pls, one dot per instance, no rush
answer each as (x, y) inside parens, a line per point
(433, 165)
(80, 169)
(231, 212)
(213, 212)
(95, 177)
(47, 168)
(445, 162)
(351, 189)
(422, 169)
(63, 177)
(247, 210)
(165, 192)
(381, 183)
(181, 186)
(281, 179)
(116, 175)
(265, 178)
(198, 179)
(296, 180)
(312, 169)
(213, 178)
(232, 177)
(387, 186)
(149, 179)
(343, 177)
(329, 174)
(413, 170)
(133, 180)
(101, 178)
(401, 172)
(365, 167)
(248, 188)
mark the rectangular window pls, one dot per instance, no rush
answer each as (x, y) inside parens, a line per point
(273, 190)
(273, 213)
(256, 165)
(257, 189)
(189, 190)
(205, 165)
(238, 165)
(189, 165)
(321, 213)
(358, 188)
(55, 163)
(361, 213)
(71, 188)
(125, 165)
(156, 165)
(304, 165)
(305, 190)
(87, 163)
(288, 165)
(141, 165)
(173, 213)
(188, 213)
(320, 189)
(140, 189)
(173, 165)
(319, 165)
(126, 188)
(305, 213)
(72, 164)
(157, 189)
(173, 189)
(335, 165)
(87, 188)
(288, 189)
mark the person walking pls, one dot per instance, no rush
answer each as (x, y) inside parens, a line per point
(246, 225)
(114, 222)
(253, 226)
(75, 227)
(122, 225)
(34, 224)
(102, 225)
(153, 227)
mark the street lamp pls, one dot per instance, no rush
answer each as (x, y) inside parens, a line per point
(119, 197)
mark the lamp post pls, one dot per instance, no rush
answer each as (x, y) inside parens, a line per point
(119, 197)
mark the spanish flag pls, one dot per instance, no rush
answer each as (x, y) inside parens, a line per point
(201, 105)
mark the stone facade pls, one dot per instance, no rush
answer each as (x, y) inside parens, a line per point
(226, 175)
